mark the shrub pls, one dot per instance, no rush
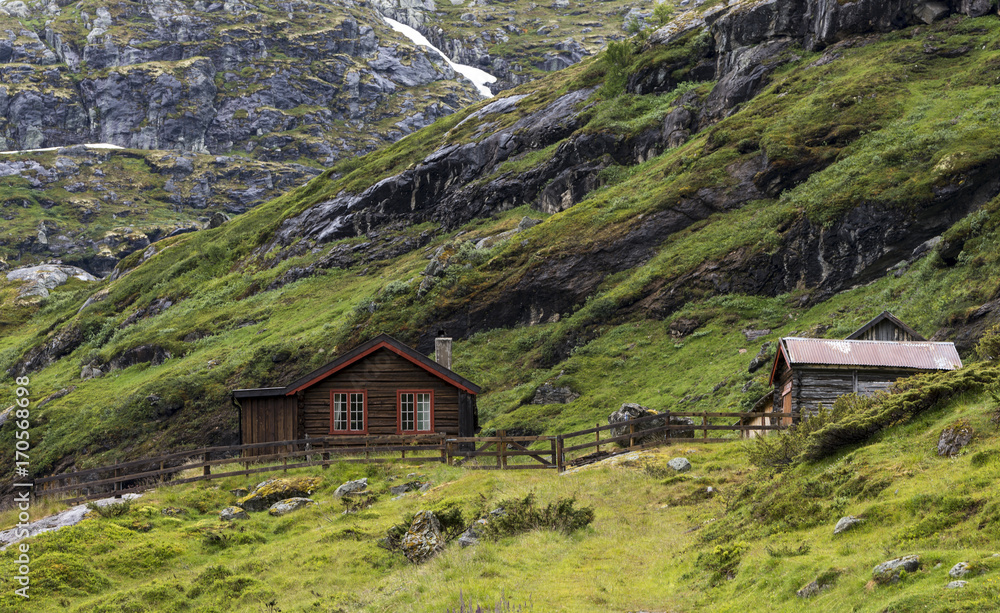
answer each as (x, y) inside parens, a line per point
(115, 509)
(988, 347)
(617, 58)
(723, 559)
(522, 515)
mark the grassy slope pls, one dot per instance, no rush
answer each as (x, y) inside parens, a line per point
(216, 277)
(654, 544)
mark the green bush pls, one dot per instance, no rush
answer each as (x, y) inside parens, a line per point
(523, 515)
(722, 560)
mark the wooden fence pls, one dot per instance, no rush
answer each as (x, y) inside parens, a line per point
(500, 452)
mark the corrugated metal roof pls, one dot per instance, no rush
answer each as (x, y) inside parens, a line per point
(919, 355)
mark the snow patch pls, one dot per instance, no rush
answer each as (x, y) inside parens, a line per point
(478, 77)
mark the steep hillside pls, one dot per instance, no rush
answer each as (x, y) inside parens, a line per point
(701, 190)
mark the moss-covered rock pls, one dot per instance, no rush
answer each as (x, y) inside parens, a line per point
(273, 490)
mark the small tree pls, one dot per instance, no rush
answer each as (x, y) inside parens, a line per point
(662, 13)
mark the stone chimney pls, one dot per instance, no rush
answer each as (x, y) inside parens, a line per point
(442, 351)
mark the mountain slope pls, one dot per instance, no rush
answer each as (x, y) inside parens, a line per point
(672, 220)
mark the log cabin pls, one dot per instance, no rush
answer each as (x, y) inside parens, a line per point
(380, 387)
(808, 372)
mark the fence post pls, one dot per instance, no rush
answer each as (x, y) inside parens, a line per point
(560, 459)
(554, 462)
(669, 434)
(631, 438)
(502, 450)
(206, 470)
(326, 460)
(118, 484)
(704, 424)
(598, 433)
(444, 449)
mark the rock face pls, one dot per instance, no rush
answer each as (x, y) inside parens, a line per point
(424, 538)
(954, 438)
(220, 77)
(40, 279)
(233, 513)
(143, 354)
(273, 490)
(846, 523)
(548, 394)
(890, 571)
(351, 487)
(284, 507)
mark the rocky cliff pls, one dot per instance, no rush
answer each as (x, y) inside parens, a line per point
(638, 223)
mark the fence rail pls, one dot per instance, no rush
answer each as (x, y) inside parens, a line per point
(500, 452)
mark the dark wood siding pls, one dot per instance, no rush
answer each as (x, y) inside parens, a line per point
(381, 374)
(812, 387)
(885, 330)
(273, 418)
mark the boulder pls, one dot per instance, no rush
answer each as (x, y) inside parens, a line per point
(90, 372)
(548, 394)
(681, 465)
(889, 571)
(239, 492)
(954, 438)
(471, 536)
(956, 584)
(284, 507)
(268, 492)
(351, 487)
(929, 12)
(629, 411)
(763, 358)
(396, 490)
(232, 513)
(424, 538)
(846, 523)
(959, 570)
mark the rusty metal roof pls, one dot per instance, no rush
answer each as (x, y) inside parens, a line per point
(891, 354)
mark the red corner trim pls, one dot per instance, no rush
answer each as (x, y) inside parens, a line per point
(777, 358)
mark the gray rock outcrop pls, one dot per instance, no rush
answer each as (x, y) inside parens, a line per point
(284, 507)
(233, 513)
(952, 585)
(954, 438)
(959, 570)
(40, 279)
(890, 571)
(549, 394)
(351, 487)
(472, 534)
(847, 523)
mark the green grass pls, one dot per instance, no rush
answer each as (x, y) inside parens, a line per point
(659, 540)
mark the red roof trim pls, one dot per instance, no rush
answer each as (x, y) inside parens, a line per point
(363, 354)
(777, 358)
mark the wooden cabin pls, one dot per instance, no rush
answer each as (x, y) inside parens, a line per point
(809, 372)
(379, 387)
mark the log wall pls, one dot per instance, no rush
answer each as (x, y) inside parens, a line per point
(381, 375)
